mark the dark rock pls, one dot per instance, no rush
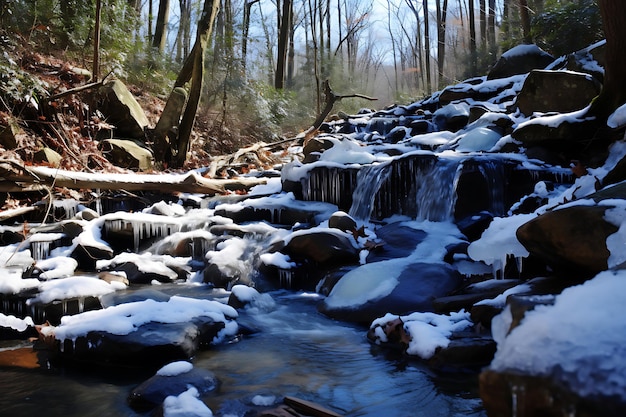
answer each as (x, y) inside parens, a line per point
(150, 346)
(88, 255)
(314, 147)
(473, 226)
(571, 239)
(520, 60)
(322, 247)
(418, 284)
(512, 394)
(399, 242)
(212, 274)
(152, 392)
(466, 351)
(567, 133)
(556, 91)
(342, 221)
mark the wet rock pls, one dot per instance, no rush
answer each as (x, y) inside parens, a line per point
(466, 350)
(418, 284)
(571, 239)
(150, 346)
(556, 91)
(152, 392)
(140, 294)
(122, 110)
(87, 255)
(520, 60)
(321, 247)
(399, 242)
(142, 270)
(568, 133)
(510, 394)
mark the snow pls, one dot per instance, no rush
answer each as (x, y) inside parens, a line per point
(175, 368)
(125, 318)
(499, 241)
(520, 50)
(618, 118)
(479, 139)
(263, 400)
(580, 340)
(11, 281)
(428, 331)
(57, 267)
(14, 323)
(187, 404)
(73, 287)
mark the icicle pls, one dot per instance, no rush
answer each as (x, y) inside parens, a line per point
(98, 202)
(64, 307)
(517, 400)
(81, 304)
(518, 261)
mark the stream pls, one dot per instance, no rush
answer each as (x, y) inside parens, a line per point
(294, 351)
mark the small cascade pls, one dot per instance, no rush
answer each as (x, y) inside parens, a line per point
(494, 173)
(142, 229)
(285, 278)
(330, 185)
(40, 250)
(67, 208)
(368, 181)
(436, 191)
(397, 194)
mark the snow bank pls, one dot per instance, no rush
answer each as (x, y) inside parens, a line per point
(175, 368)
(580, 340)
(428, 331)
(123, 319)
(73, 287)
(14, 323)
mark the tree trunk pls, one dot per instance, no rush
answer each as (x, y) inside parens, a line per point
(442, 12)
(96, 43)
(427, 47)
(160, 31)
(613, 92)
(472, 29)
(482, 5)
(283, 44)
(192, 70)
(524, 15)
(491, 29)
(246, 29)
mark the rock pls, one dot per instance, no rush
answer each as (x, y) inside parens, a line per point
(314, 147)
(571, 239)
(122, 110)
(418, 284)
(151, 345)
(9, 129)
(126, 154)
(321, 247)
(556, 91)
(567, 135)
(152, 392)
(142, 270)
(48, 156)
(87, 255)
(141, 294)
(520, 60)
(399, 240)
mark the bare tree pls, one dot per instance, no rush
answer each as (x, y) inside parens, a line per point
(524, 13)
(442, 12)
(283, 44)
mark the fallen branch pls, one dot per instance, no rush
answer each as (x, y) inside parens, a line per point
(79, 89)
(173, 183)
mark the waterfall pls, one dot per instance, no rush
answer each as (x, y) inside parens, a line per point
(368, 181)
(494, 173)
(435, 195)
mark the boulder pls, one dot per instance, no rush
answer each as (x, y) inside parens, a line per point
(571, 239)
(152, 392)
(126, 154)
(321, 247)
(520, 60)
(556, 91)
(121, 109)
(151, 345)
(417, 285)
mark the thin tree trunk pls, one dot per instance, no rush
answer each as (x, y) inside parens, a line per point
(472, 28)
(491, 29)
(160, 31)
(246, 29)
(283, 44)
(442, 12)
(524, 14)
(96, 43)
(427, 47)
(482, 5)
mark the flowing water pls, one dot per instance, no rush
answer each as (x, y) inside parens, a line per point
(296, 351)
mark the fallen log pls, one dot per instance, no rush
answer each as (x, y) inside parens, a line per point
(191, 182)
